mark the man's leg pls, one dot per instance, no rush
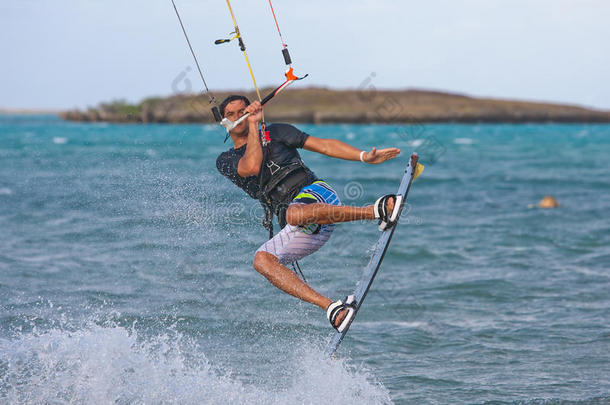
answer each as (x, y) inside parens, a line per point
(292, 243)
(286, 280)
(320, 213)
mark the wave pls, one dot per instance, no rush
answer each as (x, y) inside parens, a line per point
(112, 364)
(60, 140)
(463, 141)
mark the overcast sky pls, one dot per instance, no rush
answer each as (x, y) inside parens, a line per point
(77, 53)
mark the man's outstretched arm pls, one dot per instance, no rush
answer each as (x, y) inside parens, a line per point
(341, 150)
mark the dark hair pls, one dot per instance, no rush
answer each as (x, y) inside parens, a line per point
(230, 99)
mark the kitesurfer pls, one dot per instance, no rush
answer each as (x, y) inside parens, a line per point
(265, 163)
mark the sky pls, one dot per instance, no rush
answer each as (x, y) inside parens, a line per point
(78, 53)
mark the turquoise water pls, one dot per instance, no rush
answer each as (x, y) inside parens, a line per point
(125, 271)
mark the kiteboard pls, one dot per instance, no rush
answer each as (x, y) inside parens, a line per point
(370, 271)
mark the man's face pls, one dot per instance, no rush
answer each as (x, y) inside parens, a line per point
(233, 111)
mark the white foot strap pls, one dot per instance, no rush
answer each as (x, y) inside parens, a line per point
(335, 309)
(380, 209)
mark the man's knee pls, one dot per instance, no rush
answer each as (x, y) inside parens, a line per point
(262, 261)
(294, 214)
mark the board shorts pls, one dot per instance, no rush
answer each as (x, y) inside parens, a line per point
(293, 243)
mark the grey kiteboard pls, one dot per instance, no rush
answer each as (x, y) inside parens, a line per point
(370, 271)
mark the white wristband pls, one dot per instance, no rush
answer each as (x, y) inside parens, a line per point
(362, 156)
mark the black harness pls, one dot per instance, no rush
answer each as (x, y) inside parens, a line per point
(279, 188)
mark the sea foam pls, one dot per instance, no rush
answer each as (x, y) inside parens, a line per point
(103, 365)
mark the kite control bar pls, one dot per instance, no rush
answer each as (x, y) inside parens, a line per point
(290, 78)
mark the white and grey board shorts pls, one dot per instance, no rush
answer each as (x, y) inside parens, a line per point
(295, 242)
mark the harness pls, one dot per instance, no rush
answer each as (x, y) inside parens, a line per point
(278, 190)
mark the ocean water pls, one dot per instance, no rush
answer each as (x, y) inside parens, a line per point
(126, 271)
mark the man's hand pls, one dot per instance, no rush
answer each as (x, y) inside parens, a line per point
(256, 112)
(379, 156)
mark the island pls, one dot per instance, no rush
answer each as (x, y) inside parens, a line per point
(322, 105)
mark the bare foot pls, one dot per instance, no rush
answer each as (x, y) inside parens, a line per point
(340, 317)
(389, 205)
